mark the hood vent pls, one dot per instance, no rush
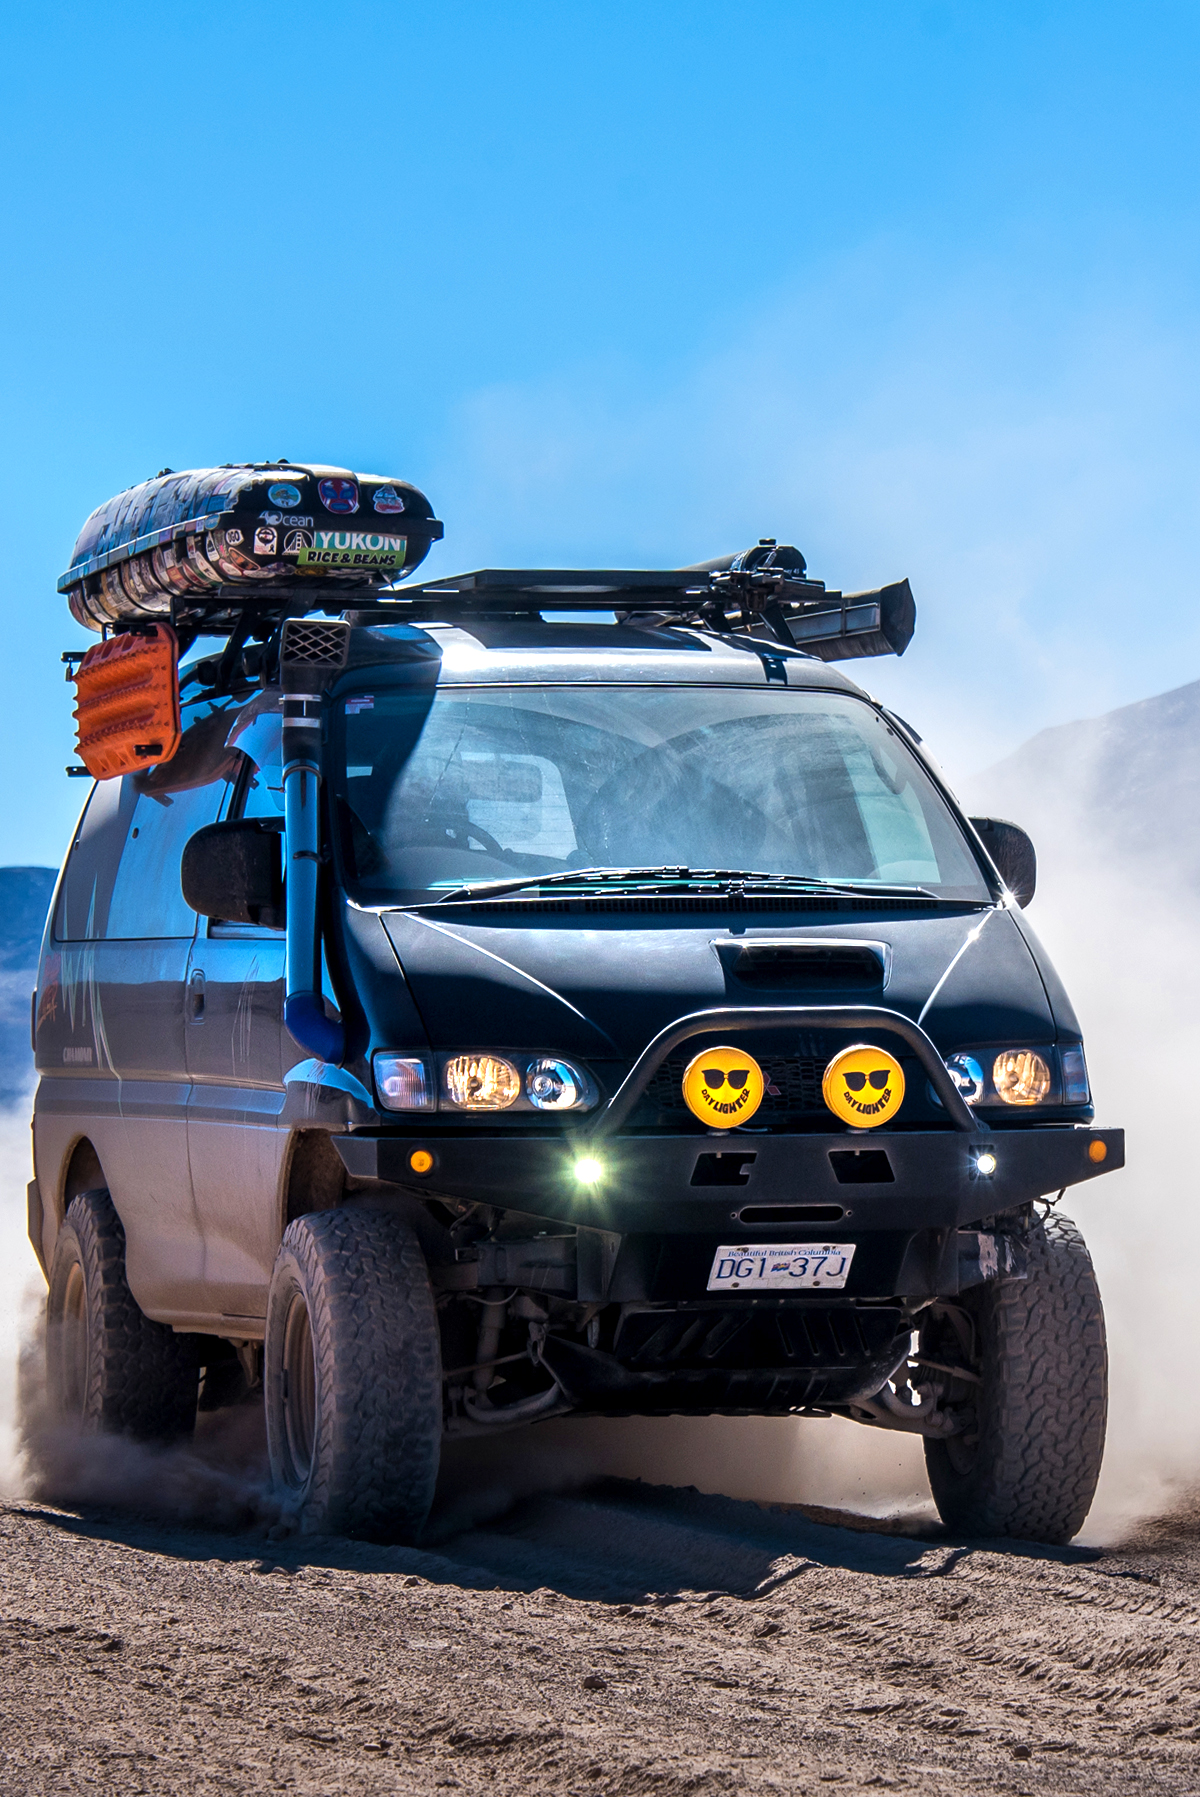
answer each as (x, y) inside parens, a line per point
(809, 965)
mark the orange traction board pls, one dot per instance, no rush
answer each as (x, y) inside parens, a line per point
(127, 714)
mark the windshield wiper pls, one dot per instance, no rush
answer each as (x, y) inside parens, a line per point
(596, 876)
(726, 878)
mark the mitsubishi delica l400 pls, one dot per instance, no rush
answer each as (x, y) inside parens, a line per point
(539, 993)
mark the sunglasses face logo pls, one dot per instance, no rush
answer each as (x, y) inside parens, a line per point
(715, 1077)
(723, 1087)
(879, 1077)
(864, 1086)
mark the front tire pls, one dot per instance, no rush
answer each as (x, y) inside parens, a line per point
(109, 1369)
(1029, 1466)
(353, 1375)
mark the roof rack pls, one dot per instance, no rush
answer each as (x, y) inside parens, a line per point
(723, 597)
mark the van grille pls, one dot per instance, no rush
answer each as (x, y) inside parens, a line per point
(796, 1081)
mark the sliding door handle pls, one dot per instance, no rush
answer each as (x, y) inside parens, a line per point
(195, 997)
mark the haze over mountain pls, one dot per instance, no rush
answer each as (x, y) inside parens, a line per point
(1114, 797)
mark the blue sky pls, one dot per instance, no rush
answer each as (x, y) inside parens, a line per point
(915, 286)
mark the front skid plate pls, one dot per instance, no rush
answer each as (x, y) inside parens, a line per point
(664, 1183)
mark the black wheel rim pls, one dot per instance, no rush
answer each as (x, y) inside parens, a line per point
(299, 1393)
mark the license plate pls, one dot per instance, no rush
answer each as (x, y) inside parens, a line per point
(803, 1267)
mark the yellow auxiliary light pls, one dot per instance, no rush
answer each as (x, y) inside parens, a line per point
(589, 1171)
(421, 1161)
(863, 1086)
(723, 1087)
(1097, 1150)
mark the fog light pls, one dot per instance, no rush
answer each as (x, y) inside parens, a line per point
(1097, 1151)
(985, 1163)
(1021, 1076)
(421, 1161)
(588, 1171)
(481, 1082)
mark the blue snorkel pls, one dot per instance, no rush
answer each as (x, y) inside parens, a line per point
(310, 656)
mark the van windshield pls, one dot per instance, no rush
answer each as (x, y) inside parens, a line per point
(438, 790)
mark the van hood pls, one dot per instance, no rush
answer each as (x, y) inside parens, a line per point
(604, 991)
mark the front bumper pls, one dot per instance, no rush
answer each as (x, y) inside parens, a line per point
(678, 1184)
(648, 1229)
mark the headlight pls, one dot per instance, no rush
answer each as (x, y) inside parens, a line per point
(481, 1082)
(404, 1083)
(967, 1075)
(1018, 1076)
(552, 1085)
(1021, 1076)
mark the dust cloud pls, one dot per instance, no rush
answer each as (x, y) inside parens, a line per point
(21, 1287)
(220, 1478)
(1118, 909)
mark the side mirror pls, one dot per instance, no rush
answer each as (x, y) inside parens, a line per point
(234, 871)
(1013, 855)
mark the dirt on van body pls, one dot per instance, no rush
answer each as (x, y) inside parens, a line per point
(622, 1638)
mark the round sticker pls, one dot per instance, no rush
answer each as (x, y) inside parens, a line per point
(723, 1086)
(338, 495)
(386, 499)
(284, 494)
(864, 1086)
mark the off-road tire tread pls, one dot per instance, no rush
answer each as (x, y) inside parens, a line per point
(379, 1371)
(143, 1377)
(1044, 1400)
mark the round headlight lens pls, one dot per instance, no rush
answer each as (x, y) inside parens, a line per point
(481, 1082)
(1021, 1076)
(967, 1075)
(553, 1085)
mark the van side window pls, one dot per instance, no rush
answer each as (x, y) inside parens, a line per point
(147, 900)
(122, 877)
(83, 899)
(259, 736)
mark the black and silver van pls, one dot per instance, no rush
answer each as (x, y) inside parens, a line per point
(494, 1012)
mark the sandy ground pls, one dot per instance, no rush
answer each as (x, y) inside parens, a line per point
(617, 1637)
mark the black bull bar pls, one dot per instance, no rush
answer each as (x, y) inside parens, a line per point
(781, 1017)
(927, 1178)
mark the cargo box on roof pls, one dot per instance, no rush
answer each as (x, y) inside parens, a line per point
(192, 542)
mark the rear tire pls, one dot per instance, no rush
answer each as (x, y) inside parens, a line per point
(109, 1369)
(1040, 1352)
(353, 1375)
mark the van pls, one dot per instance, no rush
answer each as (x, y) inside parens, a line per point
(664, 1041)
